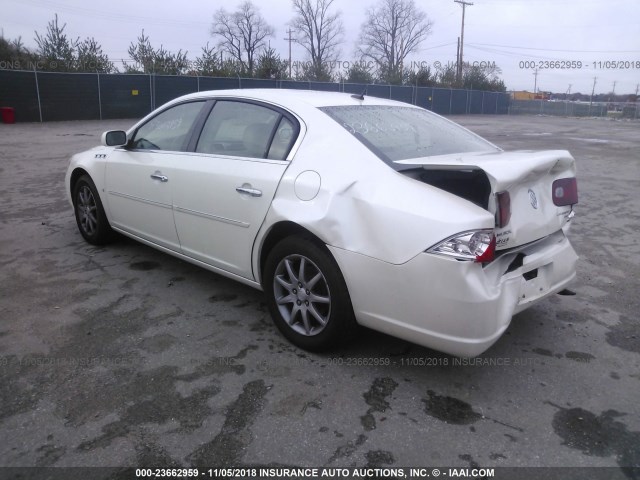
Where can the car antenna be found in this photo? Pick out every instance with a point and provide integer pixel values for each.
(361, 96)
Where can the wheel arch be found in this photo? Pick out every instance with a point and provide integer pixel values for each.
(94, 227)
(75, 175)
(278, 232)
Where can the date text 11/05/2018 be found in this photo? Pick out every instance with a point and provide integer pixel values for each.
(433, 361)
(578, 64)
(294, 472)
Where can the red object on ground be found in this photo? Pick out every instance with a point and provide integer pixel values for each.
(8, 115)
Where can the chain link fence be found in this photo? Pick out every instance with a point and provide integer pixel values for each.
(50, 96)
(545, 107)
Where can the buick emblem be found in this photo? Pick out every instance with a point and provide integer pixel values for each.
(533, 199)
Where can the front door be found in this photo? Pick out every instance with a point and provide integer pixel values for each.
(139, 179)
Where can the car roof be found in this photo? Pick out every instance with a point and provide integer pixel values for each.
(291, 97)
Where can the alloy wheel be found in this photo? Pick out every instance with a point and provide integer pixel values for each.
(302, 295)
(87, 210)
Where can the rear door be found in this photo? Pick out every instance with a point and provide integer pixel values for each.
(139, 178)
(224, 188)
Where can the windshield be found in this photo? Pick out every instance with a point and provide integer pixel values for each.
(400, 133)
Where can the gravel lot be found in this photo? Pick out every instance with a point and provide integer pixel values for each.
(124, 356)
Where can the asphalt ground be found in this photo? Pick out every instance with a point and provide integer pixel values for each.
(125, 356)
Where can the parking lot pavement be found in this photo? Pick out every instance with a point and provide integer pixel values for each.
(126, 356)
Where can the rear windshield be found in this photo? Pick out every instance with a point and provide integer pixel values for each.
(400, 133)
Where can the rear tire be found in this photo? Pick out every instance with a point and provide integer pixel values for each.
(90, 216)
(307, 295)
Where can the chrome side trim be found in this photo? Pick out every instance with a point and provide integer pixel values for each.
(237, 223)
(138, 199)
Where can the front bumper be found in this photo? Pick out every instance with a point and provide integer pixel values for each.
(457, 307)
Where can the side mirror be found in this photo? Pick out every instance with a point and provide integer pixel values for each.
(114, 138)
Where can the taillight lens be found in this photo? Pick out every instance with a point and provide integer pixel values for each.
(475, 245)
(565, 191)
(503, 209)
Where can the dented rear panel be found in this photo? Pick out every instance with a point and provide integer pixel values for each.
(528, 177)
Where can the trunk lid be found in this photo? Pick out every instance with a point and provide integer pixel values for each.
(528, 176)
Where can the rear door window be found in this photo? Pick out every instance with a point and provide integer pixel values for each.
(244, 130)
(282, 140)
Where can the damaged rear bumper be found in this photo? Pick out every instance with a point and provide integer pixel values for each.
(457, 307)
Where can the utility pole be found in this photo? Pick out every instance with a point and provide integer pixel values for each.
(535, 81)
(613, 92)
(464, 4)
(290, 39)
(592, 91)
(458, 59)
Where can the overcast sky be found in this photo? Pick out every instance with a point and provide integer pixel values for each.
(507, 32)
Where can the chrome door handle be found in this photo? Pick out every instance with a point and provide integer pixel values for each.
(159, 176)
(254, 192)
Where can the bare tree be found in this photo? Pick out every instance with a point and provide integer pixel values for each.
(242, 33)
(320, 32)
(393, 30)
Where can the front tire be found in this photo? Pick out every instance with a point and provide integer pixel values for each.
(90, 216)
(307, 295)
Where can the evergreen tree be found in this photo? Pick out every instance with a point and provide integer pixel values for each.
(359, 72)
(56, 50)
(150, 60)
(270, 65)
(90, 58)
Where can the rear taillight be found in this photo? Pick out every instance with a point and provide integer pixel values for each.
(477, 245)
(488, 251)
(565, 191)
(503, 209)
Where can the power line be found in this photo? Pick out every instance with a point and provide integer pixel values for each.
(104, 15)
(439, 46)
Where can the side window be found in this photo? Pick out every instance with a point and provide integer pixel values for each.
(282, 140)
(238, 129)
(168, 130)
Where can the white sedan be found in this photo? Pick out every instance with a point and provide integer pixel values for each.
(344, 209)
